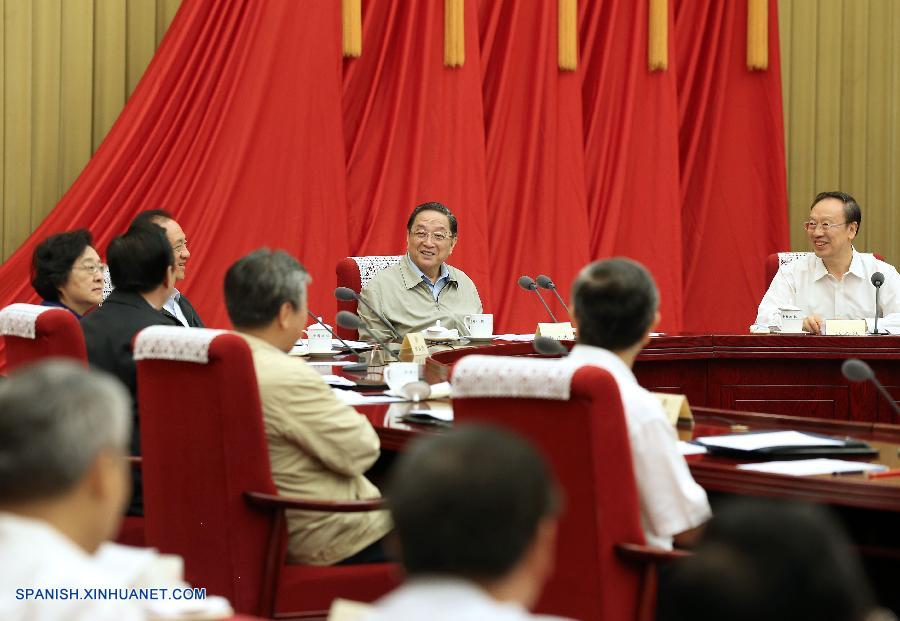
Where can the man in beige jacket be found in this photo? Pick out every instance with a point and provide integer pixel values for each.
(319, 447)
(421, 289)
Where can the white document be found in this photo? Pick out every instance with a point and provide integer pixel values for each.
(338, 380)
(354, 398)
(767, 439)
(809, 467)
(441, 390)
(689, 448)
(521, 338)
(329, 363)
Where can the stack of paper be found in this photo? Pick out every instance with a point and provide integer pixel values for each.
(810, 467)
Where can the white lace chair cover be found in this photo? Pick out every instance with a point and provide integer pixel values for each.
(370, 266)
(20, 319)
(508, 376)
(786, 257)
(175, 343)
(107, 284)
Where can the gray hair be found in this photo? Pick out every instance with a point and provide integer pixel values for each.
(257, 285)
(55, 418)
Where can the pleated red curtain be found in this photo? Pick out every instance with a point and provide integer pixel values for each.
(252, 130)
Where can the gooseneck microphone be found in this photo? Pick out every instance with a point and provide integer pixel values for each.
(527, 283)
(346, 294)
(856, 370)
(360, 366)
(544, 282)
(346, 319)
(877, 280)
(549, 347)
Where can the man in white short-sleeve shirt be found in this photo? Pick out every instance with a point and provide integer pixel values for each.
(615, 304)
(835, 281)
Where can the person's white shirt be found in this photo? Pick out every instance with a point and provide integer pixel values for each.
(441, 598)
(806, 284)
(671, 502)
(174, 308)
(37, 556)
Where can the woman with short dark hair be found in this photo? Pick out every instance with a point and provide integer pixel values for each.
(66, 272)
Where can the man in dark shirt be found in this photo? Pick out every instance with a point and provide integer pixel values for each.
(142, 268)
(177, 306)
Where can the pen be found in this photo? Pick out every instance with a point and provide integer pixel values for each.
(885, 474)
(847, 472)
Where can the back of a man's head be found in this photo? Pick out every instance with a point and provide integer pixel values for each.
(139, 260)
(615, 303)
(257, 286)
(762, 560)
(56, 418)
(469, 503)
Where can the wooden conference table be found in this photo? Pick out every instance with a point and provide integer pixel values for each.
(709, 367)
(797, 375)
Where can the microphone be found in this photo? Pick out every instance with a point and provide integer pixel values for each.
(346, 319)
(544, 282)
(856, 370)
(527, 283)
(362, 366)
(549, 347)
(877, 280)
(346, 294)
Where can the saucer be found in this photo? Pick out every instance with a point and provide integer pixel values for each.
(324, 354)
(481, 339)
(441, 339)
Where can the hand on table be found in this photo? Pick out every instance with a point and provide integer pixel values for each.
(813, 324)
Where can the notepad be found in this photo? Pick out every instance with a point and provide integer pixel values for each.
(810, 467)
(767, 440)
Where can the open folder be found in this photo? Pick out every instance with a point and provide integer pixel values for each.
(783, 444)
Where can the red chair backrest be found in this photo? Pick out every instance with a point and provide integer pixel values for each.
(56, 333)
(585, 440)
(204, 445)
(354, 272)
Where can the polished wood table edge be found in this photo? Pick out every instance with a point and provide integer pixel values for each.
(879, 431)
(860, 493)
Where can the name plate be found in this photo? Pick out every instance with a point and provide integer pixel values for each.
(562, 331)
(414, 348)
(845, 327)
(676, 407)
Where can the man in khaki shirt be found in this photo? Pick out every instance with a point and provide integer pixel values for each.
(319, 448)
(421, 288)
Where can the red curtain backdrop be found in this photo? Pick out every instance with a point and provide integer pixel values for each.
(631, 148)
(250, 128)
(733, 185)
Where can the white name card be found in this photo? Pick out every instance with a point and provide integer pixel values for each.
(414, 348)
(845, 327)
(562, 331)
(676, 407)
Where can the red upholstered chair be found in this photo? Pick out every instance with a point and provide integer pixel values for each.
(208, 490)
(776, 260)
(604, 572)
(355, 273)
(33, 332)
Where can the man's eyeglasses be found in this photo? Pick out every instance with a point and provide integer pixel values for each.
(91, 268)
(812, 225)
(438, 237)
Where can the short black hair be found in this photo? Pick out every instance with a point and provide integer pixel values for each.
(150, 216)
(469, 502)
(852, 212)
(139, 259)
(257, 285)
(778, 561)
(615, 302)
(438, 207)
(52, 261)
